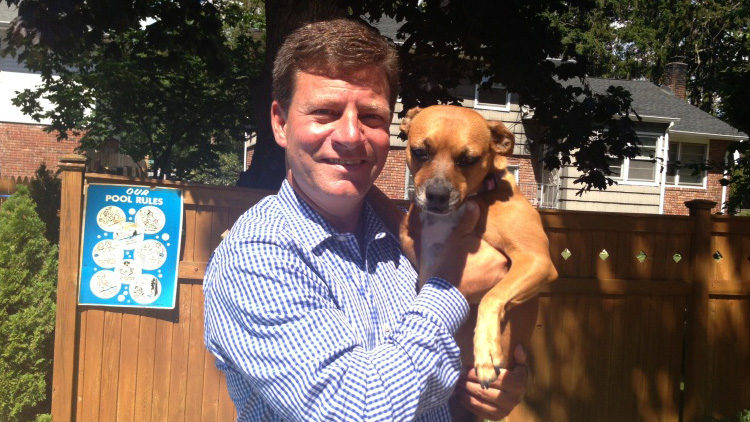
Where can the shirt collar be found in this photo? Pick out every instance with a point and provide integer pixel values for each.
(313, 229)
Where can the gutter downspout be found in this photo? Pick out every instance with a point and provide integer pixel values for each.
(665, 162)
(724, 189)
(244, 155)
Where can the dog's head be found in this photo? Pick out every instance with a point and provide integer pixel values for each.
(450, 152)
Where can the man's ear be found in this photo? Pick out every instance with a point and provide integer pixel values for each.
(502, 143)
(278, 123)
(406, 121)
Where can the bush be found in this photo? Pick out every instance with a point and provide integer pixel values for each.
(743, 416)
(28, 275)
(45, 191)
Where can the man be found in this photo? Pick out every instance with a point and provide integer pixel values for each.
(311, 309)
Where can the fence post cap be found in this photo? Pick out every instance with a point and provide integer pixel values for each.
(700, 204)
(75, 162)
(73, 158)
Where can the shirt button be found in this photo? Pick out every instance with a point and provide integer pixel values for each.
(341, 237)
(387, 330)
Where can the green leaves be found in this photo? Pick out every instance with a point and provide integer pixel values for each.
(28, 274)
(168, 80)
(449, 43)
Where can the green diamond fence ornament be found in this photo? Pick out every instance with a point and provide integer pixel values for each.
(677, 258)
(641, 256)
(718, 256)
(604, 254)
(566, 254)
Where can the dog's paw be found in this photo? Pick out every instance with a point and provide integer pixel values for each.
(488, 356)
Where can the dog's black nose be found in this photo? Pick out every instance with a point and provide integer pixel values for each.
(438, 196)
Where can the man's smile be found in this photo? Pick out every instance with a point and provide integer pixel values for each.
(343, 162)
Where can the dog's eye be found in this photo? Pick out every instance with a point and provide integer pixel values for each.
(420, 154)
(466, 160)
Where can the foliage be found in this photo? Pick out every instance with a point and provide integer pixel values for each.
(738, 177)
(225, 173)
(28, 273)
(627, 39)
(444, 43)
(743, 416)
(45, 190)
(170, 80)
(46, 417)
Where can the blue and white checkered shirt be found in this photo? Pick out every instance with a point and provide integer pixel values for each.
(309, 326)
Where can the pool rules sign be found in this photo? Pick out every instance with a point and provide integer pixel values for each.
(131, 246)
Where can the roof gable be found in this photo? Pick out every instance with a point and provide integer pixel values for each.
(653, 101)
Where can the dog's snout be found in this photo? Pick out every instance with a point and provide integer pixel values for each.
(438, 195)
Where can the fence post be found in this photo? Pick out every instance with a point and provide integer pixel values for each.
(696, 363)
(66, 343)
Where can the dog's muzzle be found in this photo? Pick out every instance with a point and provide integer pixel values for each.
(438, 196)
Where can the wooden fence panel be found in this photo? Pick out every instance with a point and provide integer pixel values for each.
(151, 365)
(608, 344)
(9, 186)
(729, 318)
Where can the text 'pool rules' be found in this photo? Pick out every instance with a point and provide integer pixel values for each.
(131, 246)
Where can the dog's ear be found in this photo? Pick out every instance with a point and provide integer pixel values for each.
(502, 144)
(406, 121)
(502, 139)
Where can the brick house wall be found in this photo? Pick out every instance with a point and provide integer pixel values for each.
(675, 198)
(392, 180)
(526, 173)
(24, 147)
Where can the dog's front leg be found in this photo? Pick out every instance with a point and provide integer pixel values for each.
(510, 302)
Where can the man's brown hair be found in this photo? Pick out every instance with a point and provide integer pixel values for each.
(334, 49)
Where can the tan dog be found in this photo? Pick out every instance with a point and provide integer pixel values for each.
(454, 153)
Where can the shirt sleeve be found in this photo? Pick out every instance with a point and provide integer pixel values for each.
(272, 319)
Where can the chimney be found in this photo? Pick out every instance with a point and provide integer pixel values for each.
(675, 77)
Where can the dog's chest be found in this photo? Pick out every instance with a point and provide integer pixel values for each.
(435, 232)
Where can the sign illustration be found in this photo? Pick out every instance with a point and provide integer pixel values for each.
(131, 246)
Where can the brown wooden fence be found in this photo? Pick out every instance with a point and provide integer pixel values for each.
(644, 305)
(8, 186)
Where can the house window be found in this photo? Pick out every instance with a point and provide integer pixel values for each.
(515, 171)
(641, 168)
(409, 191)
(495, 98)
(682, 156)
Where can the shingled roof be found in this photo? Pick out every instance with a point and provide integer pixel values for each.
(654, 101)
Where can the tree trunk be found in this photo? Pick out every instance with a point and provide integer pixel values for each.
(267, 168)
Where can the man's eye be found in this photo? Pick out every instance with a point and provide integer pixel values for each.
(467, 160)
(372, 120)
(420, 154)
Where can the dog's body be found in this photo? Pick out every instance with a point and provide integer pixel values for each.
(454, 153)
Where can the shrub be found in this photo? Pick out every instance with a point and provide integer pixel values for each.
(743, 416)
(28, 274)
(45, 191)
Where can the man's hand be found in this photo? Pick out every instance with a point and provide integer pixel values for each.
(467, 261)
(497, 401)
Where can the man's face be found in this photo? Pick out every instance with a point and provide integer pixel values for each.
(336, 136)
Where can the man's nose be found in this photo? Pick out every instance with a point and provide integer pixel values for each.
(348, 131)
